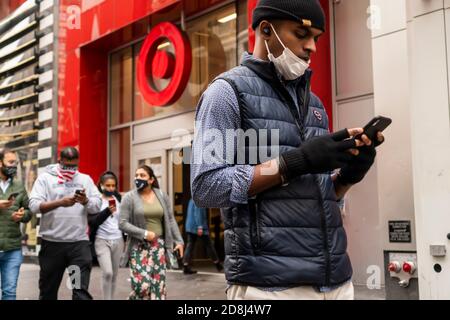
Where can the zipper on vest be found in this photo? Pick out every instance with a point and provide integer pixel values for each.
(255, 233)
(306, 99)
(304, 107)
(326, 249)
(258, 229)
(303, 113)
(286, 97)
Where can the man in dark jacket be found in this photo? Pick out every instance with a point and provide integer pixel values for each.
(13, 211)
(284, 236)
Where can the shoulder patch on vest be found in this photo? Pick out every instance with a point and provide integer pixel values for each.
(318, 115)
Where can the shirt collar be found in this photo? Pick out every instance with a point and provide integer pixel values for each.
(5, 182)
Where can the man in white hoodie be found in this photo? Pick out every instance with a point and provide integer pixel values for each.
(64, 197)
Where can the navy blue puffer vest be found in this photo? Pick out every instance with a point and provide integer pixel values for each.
(293, 235)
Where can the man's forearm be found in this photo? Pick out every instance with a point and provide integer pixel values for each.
(46, 207)
(266, 177)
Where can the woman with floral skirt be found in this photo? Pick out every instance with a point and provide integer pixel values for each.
(153, 236)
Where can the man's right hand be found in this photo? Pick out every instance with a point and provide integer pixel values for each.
(322, 154)
(67, 202)
(6, 204)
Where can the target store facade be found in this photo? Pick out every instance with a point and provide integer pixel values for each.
(121, 79)
(131, 74)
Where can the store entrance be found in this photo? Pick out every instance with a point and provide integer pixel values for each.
(173, 175)
(181, 193)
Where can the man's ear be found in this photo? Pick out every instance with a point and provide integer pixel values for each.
(265, 29)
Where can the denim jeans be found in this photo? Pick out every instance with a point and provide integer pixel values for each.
(10, 262)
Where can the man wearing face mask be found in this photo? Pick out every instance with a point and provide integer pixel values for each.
(13, 211)
(65, 197)
(284, 236)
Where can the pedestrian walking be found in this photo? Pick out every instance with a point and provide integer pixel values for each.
(64, 196)
(284, 236)
(197, 228)
(13, 211)
(153, 236)
(105, 234)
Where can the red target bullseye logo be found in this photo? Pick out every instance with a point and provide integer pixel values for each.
(154, 63)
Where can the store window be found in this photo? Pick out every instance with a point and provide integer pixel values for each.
(120, 151)
(213, 42)
(242, 28)
(213, 39)
(121, 87)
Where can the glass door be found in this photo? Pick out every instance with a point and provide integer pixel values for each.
(155, 160)
(180, 187)
(180, 191)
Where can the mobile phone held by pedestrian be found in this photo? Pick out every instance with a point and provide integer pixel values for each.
(377, 124)
(13, 196)
(111, 204)
(80, 192)
(80, 196)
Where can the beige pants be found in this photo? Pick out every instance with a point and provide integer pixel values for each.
(346, 292)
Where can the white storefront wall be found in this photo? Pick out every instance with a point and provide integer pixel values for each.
(398, 68)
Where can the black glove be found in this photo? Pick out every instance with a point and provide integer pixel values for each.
(357, 169)
(318, 155)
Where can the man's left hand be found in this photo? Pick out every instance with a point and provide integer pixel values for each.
(82, 198)
(363, 160)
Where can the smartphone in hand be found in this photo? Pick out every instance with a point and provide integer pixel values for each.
(112, 202)
(377, 124)
(13, 196)
(79, 192)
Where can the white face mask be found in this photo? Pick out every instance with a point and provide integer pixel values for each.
(288, 64)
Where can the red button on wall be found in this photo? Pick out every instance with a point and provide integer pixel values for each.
(409, 267)
(394, 267)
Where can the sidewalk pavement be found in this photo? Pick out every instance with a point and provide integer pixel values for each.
(209, 285)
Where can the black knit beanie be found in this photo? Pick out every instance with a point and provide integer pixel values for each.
(308, 12)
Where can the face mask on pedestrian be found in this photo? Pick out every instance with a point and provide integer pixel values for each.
(288, 64)
(9, 172)
(141, 184)
(108, 193)
(68, 168)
